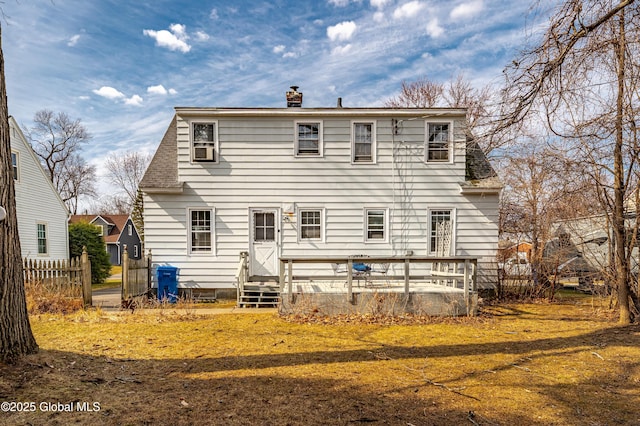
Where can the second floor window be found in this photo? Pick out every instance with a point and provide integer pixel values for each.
(14, 165)
(203, 140)
(363, 149)
(308, 139)
(438, 142)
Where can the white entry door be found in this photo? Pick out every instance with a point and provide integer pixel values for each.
(263, 250)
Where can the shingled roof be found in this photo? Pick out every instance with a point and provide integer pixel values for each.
(117, 222)
(162, 173)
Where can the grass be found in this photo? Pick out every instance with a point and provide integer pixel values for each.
(564, 363)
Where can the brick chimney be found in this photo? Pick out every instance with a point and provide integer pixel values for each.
(294, 98)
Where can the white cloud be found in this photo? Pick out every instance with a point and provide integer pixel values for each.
(176, 39)
(341, 50)
(279, 48)
(379, 16)
(73, 40)
(202, 36)
(157, 90)
(135, 100)
(173, 91)
(339, 3)
(342, 31)
(213, 14)
(379, 4)
(109, 93)
(434, 29)
(290, 55)
(466, 10)
(408, 10)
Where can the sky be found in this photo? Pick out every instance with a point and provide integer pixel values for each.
(122, 66)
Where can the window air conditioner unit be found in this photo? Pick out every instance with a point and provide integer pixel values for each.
(203, 153)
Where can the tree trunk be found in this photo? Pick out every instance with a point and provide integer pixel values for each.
(621, 258)
(16, 338)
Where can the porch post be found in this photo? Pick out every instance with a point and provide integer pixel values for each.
(350, 280)
(281, 273)
(290, 279)
(466, 283)
(406, 276)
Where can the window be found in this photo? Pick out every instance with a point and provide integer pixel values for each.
(308, 139)
(203, 137)
(136, 254)
(438, 142)
(264, 226)
(42, 238)
(440, 232)
(311, 224)
(130, 229)
(201, 231)
(376, 225)
(14, 166)
(363, 143)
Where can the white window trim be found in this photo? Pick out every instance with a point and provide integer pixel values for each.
(46, 239)
(135, 250)
(453, 229)
(212, 252)
(374, 144)
(130, 229)
(320, 139)
(366, 225)
(426, 141)
(17, 154)
(216, 142)
(323, 220)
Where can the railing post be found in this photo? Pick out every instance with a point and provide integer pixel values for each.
(86, 279)
(281, 275)
(124, 294)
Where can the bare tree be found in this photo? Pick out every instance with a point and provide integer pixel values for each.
(126, 171)
(57, 140)
(581, 78)
(457, 93)
(111, 204)
(76, 180)
(16, 338)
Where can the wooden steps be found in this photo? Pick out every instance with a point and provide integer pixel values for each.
(260, 295)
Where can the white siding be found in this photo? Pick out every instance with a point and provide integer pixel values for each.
(258, 168)
(37, 202)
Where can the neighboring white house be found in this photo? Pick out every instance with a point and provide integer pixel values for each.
(42, 215)
(315, 181)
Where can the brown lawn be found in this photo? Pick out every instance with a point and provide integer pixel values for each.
(566, 363)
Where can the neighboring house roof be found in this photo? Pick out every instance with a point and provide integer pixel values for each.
(117, 224)
(162, 174)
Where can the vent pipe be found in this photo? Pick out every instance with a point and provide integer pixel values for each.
(339, 105)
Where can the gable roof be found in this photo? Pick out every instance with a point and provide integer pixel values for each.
(13, 124)
(162, 173)
(118, 223)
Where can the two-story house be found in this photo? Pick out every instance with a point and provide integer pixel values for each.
(42, 215)
(118, 231)
(315, 181)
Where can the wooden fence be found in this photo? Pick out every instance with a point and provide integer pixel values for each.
(136, 276)
(71, 278)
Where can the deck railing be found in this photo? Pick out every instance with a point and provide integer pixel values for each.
(461, 268)
(242, 273)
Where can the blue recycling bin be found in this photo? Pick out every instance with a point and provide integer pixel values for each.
(167, 283)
